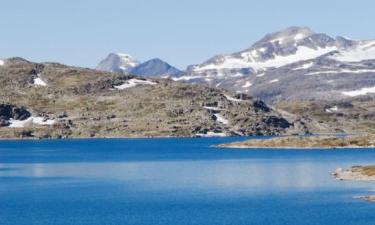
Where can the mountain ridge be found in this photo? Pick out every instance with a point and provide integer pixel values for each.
(273, 66)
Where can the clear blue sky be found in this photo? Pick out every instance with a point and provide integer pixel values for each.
(78, 32)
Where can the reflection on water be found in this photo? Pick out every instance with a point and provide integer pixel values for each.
(179, 181)
(201, 174)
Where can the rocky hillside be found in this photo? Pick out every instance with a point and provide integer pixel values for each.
(50, 100)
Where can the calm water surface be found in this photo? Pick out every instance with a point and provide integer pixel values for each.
(177, 182)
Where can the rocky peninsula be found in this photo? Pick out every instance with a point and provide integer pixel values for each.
(307, 142)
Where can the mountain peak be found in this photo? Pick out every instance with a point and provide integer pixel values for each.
(117, 62)
(287, 35)
(155, 67)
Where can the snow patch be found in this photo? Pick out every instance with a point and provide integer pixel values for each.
(232, 99)
(247, 84)
(31, 120)
(364, 51)
(212, 134)
(2, 62)
(132, 83)
(39, 82)
(42, 121)
(274, 81)
(333, 109)
(212, 108)
(221, 119)
(299, 36)
(304, 66)
(362, 91)
(19, 123)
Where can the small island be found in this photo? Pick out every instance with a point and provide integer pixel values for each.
(357, 173)
(307, 142)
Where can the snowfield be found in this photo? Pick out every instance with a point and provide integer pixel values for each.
(247, 61)
(2, 62)
(364, 51)
(132, 83)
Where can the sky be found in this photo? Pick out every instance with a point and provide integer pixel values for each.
(81, 33)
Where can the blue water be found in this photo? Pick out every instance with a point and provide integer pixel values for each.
(177, 182)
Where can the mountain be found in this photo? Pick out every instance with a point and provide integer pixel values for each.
(79, 102)
(155, 67)
(117, 62)
(293, 64)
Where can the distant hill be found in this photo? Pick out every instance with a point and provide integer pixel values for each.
(155, 68)
(51, 100)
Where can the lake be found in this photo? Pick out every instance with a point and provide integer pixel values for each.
(177, 182)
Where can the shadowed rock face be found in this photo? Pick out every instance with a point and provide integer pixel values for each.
(8, 112)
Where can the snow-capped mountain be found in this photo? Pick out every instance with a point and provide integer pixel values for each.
(117, 62)
(155, 67)
(293, 63)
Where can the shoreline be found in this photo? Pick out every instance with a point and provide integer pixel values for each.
(328, 142)
(224, 146)
(120, 137)
(357, 173)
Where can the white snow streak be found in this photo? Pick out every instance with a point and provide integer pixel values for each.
(31, 120)
(302, 53)
(232, 99)
(362, 91)
(212, 134)
(187, 78)
(132, 83)
(342, 71)
(212, 108)
(304, 66)
(274, 81)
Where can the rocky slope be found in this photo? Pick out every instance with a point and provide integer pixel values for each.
(293, 64)
(43, 100)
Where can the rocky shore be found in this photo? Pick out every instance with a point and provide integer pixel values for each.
(307, 142)
(357, 173)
